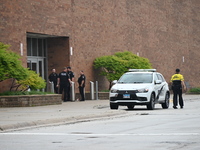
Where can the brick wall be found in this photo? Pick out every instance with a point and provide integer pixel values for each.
(58, 53)
(164, 31)
(30, 100)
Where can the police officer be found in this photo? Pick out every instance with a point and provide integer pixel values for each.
(177, 85)
(53, 77)
(71, 76)
(64, 82)
(81, 82)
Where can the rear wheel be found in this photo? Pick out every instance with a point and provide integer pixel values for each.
(130, 107)
(165, 105)
(113, 106)
(151, 104)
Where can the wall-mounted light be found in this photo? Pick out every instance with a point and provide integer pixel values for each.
(71, 51)
(21, 48)
(183, 59)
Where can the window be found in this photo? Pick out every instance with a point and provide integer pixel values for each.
(136, 78)
(36, 55)
(36, 47)
(160, 77)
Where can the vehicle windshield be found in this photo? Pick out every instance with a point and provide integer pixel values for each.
(136, 78)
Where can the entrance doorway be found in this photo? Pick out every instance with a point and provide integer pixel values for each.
(45, 52)
(36, 55)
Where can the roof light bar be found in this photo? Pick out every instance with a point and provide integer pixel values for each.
(142, 70)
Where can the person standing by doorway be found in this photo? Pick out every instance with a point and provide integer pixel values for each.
(53, 77)
(81, 82)
(71, 76)
(177, 85)
(64, 82)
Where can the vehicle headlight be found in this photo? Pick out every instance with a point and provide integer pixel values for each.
(113, 90)
(143, 90)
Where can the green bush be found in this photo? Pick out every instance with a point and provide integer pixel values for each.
(11, 66)
(195, 90)
(34, 82)
(114, 66)
(105, 91)
(10, 93)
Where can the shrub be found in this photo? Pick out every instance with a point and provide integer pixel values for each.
(10, 93)
(195, 90)
(114, 66)
(11, 66)
(34, 82)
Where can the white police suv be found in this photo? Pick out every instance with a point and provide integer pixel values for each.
(140, 87)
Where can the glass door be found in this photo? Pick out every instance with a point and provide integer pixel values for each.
(37, 65)
(36, 55)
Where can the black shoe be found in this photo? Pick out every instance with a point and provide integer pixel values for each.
(175, 107)
(181, 107)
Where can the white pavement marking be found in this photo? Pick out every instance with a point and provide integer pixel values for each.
(89, 134)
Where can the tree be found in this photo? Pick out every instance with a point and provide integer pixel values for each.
(114, 66)
(11, 66)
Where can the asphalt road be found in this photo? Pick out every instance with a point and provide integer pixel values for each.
(138, 129)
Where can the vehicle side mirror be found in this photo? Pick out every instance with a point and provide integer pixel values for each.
(114, 82)
(158, 82)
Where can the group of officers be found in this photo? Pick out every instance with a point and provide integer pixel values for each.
(62, 82)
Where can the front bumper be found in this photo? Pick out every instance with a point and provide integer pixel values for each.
(134, 98)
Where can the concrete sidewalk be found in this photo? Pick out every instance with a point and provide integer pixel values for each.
(69, 112)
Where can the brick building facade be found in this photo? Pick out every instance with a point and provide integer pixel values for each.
(75, 32)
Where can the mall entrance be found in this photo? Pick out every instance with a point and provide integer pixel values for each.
(45, 52)
(36, 55)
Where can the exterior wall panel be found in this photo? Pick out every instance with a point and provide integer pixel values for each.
(164, 31)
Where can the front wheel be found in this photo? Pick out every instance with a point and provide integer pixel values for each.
(113, 106)
(165, 105)
(151, 104)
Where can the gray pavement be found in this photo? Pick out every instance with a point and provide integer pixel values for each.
(15, 118)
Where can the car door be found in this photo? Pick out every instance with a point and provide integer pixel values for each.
(162, 87)
(157, 86)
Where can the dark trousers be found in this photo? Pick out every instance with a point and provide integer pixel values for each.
(55, 87)
(81, 90)
(177, 91)
(65, 89)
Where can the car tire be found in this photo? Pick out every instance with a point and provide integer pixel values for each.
(151, 104)
(113, 106)
(130, 107)
(165, 105)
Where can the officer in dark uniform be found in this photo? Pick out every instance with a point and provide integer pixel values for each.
(81, 82)
(64, 82)
(71, 76)
(53, 77)
(177, 85)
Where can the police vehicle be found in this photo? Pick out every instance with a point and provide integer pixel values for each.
(140, 87)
